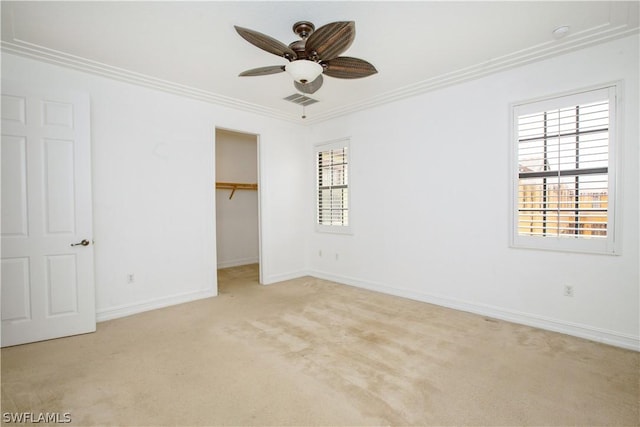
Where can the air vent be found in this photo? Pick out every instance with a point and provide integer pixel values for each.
(299, 99)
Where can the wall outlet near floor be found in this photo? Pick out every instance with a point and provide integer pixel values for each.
(568, 290)
(131, 278)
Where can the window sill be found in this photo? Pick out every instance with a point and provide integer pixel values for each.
(333, 229)
(603, 246)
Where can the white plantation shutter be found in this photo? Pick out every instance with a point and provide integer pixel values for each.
(563, 182)
(332, 186)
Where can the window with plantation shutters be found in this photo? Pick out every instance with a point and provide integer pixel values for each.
(332, 186)
(564, 186)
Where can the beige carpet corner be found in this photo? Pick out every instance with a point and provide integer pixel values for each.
(312, 352)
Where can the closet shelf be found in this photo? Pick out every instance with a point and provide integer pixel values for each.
(233, 186)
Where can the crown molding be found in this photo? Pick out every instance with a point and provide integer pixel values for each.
(52, 56)
(591, 37)
(594, 36)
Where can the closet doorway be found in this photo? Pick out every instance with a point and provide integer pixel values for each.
(237, 203)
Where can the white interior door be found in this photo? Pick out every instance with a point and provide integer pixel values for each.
(47, 281)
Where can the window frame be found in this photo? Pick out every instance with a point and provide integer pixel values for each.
(608, 245)
(325, 146)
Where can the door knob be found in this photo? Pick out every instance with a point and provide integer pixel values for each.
(85, 242)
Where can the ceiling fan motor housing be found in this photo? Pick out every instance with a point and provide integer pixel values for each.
(303, 29)
(298, 47)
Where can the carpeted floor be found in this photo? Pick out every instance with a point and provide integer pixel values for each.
(312, 352)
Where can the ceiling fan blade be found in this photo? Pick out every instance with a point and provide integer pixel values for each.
(311, 87)
(267, 43)
(262, 71)
(345, 67)
(330, 40)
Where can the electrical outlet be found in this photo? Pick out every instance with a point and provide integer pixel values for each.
(131, 278)
(568, 290)
(320, 253)
(337, 257)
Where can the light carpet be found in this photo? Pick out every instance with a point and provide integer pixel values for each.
(313, 352)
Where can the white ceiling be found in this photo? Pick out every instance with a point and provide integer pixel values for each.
(191, 48)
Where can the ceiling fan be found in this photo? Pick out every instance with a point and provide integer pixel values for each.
(317, 53)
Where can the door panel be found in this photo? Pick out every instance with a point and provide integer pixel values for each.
(62, 284)
(59, 188)
(15, 290)
(14, 109)
(14, 196)
(47, 284)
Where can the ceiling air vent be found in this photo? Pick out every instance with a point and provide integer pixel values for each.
(300, 99)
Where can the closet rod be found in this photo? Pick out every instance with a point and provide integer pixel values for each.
(233, 186)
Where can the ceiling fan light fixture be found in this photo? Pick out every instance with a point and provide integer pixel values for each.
(303, 70)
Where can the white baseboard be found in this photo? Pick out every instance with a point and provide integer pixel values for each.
(582, 331)
(135, 308)
(237, 262)
(269, 280)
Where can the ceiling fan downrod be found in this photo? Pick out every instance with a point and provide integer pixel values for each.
(303, 29)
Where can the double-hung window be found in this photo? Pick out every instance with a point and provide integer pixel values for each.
(564, 172)
(332, 187)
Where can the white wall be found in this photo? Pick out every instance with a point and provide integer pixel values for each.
(153, 192)
(236, 217)
(417, 164)
(430, 204)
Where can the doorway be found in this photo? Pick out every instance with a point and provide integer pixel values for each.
(237, 203)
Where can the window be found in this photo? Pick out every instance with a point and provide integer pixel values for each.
(564, 180)
(332, 185)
